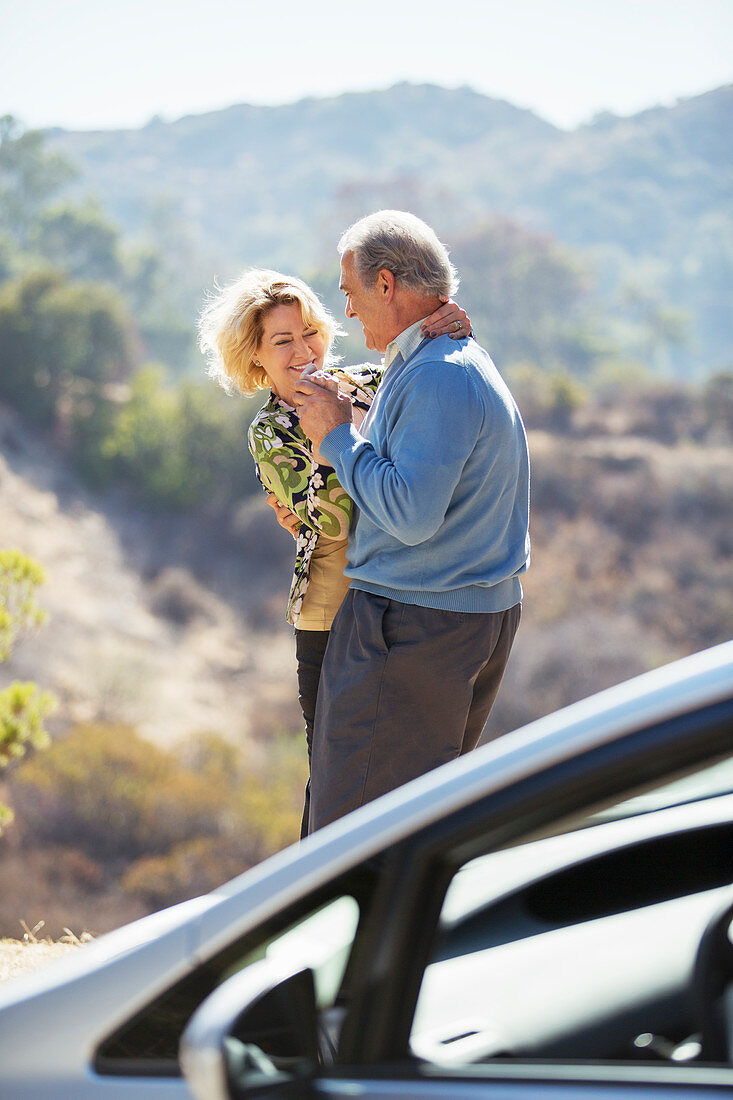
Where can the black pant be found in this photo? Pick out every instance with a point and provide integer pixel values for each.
(403, 690)
(310, 645)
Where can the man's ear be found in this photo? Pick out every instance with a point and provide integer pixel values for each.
(386, 285)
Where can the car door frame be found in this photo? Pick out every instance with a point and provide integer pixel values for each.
(392, 951)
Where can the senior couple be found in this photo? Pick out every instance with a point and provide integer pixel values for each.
(406, 485)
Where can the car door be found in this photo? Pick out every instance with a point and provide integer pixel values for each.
(445, 918)
(607, 869)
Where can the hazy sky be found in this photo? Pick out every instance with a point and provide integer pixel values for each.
(86, 64)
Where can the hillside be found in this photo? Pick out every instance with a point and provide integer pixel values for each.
(174, 627)
(646, 200)
(266, 182)
(132, 635)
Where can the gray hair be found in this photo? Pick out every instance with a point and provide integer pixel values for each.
(404, 245)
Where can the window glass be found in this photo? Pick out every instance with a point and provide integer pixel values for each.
(321, 940)
(318, 932)
(583, 946)
(707, 782)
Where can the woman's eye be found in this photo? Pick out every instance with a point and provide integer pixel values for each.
(313, 332)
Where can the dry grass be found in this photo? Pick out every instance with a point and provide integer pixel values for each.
(20, 956)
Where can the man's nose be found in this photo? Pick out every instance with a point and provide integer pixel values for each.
(349, 311)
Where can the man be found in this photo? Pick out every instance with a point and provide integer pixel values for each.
(439, 474)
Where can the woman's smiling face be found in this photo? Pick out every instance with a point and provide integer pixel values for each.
(287, 348)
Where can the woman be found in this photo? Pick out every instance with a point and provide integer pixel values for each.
(265, 331)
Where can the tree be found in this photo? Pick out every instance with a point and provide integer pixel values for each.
(59, 339)
(155, 274)
(527, 295)
(23, 706)
(657, 327)
(29, 176)
(80, 241)
(181, 446)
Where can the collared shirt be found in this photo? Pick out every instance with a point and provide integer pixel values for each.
(405, 344)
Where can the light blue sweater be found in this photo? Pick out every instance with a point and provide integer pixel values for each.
(440, 477)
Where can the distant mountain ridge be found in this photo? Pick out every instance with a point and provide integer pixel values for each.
(250, 174)
(276, 185)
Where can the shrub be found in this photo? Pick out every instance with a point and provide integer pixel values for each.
(20, 576)
(113, 795)
(547, 399)
(176, 595)
(56, 335)
(131, 821)
(270, 802)
(181, 446)
(187, 870)
(23, 706)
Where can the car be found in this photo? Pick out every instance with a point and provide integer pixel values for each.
(547, 916)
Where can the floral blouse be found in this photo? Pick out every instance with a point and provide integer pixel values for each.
(285, 467)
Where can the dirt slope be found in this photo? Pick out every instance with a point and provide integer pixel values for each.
(160, 651)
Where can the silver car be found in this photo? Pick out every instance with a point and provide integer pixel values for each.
(548, 916)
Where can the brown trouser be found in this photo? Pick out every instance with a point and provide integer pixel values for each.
(403, 689)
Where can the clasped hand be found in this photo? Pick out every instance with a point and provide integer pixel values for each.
(321, 407)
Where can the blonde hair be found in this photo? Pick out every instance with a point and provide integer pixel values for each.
(232, 323)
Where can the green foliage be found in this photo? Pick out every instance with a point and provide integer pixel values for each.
(180, 446)
(23, 707)
(20, 576)
(164, 280)
(64, 346)
(271, 802)
(527, 296)
(29, 177)
(59, 339)
(80, 241)
(113, 795)
(187, 869)
(718, 403)
(77, 239)
(615, 375)
(260, 804)
(166, 824)
(621, 195)
(546, 399)
(147, 444)
(92, 419)
(655, 327)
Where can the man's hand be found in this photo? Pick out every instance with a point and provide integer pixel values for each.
(285, 517)
(321, 407)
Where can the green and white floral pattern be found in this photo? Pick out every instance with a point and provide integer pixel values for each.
(285, 467)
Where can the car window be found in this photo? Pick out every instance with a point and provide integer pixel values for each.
(583, 946)
(321, 941)
(317, 932)
(708, 782)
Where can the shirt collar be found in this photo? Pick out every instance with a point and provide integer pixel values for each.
(405, 344)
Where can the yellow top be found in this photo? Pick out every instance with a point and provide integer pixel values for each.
(326, 585)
